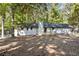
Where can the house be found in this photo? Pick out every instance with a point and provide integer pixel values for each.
(40, 28)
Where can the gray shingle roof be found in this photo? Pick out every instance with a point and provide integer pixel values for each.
(51, 25)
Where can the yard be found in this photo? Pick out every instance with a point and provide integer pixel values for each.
(45, 45)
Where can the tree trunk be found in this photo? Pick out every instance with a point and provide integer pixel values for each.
(45, 30)
(3, 17)
(12, 25)
(12, 9)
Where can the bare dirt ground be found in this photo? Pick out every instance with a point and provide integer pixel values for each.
(45, 45)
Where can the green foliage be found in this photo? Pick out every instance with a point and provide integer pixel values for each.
(55, 15)
(3, 8)
(22, 14)
(74, 18)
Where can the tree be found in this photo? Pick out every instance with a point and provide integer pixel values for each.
(54, 14)
(3, 10)
(74, 18)
(13, 11)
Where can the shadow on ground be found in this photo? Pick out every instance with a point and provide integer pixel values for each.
(46, 45)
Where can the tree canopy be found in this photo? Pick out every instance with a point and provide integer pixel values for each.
(19, 14)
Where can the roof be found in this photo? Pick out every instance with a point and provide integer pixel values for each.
(51, 25)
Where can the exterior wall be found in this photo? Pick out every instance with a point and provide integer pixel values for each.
(38, 31)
